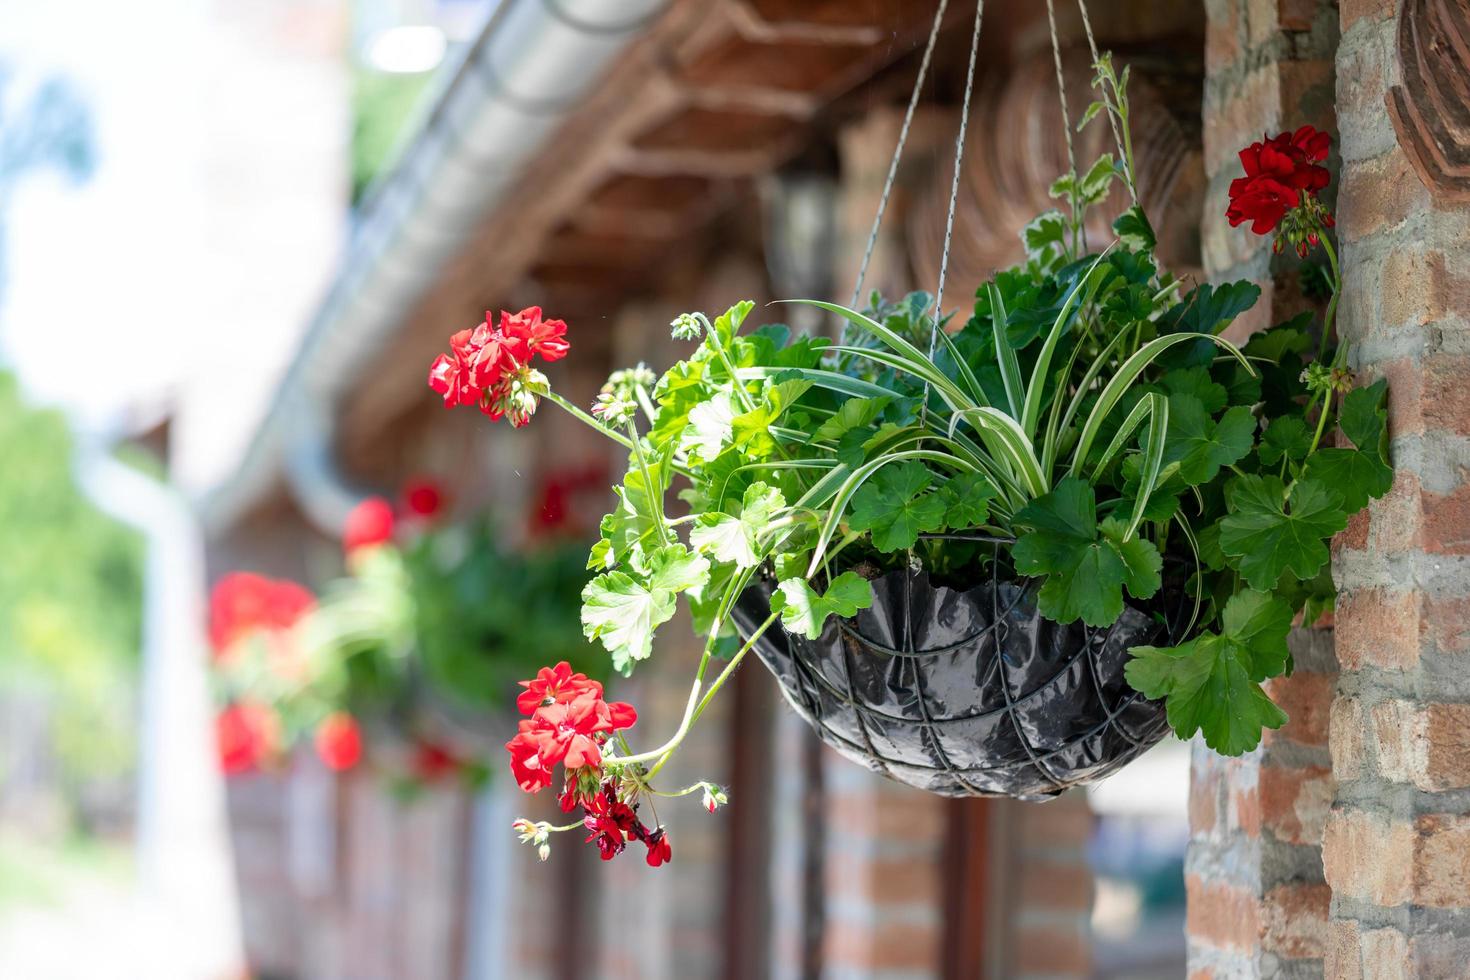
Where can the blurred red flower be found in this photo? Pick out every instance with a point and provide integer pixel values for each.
(247, 734)
(242, 602)
(423, 498)
(369, 523)
(338, 741)
(432, 761)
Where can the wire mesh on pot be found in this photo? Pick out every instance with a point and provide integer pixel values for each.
(968, 693)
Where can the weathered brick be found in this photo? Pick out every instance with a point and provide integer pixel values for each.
(1059, 822)
(896, 881)
(1222, 39)
(1353, 11)
(1221, 915)
(1368, 857)
(1446, 748)
(1347, 739)
(1052, 951)
(1446, 528)
(1378, 194)
(1398, 731)
(1295, 802)
(1245, 810)
(1239, 120)
(1385, 955)
(1261, 20)
(1442, 861)
(1297, 15)
(1064, 886)
(1377, 627)
(1294, 920)
(1204, 800)
(1445, 623)
(886, 944)
(1417, 287)
(1306, 697)
(1343, 957)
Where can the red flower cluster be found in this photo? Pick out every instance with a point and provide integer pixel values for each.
(613, 823)
(432, 761)
(1281, 172)
(247, 734)
(569, 723)
(242, 603)
(491, 366)
(338, 741)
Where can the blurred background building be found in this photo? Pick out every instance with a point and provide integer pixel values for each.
(253, 225)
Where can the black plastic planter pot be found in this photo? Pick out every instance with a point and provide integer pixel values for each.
(966, 693)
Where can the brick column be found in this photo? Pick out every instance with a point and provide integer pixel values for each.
(1397, 846)
(1257, 899)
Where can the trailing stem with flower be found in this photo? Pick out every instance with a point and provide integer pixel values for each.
(1085, 418)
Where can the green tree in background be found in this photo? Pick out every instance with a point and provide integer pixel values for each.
(71, 585)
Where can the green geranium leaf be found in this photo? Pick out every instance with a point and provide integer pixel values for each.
(895, 507)
(727, 324)
(736, 539)
(1210, 308)
(967, 500)
(711, 426)
(1364, 419)
(1133, 229)
(1196, 381)
(1275, 344)
(680, 389)
(1355, 474)
(622, 610)
(1200, 445)
(804, 612)
(855, 413)
(1266, 533)
(1046, 233)
(1212, 683)
(1287, 437)
(1086, 565)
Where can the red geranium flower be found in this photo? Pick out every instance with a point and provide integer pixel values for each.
(544, 337)
(338, 741)
(569, 723)
(423, 498)
(490, 366)
(247, 734)
(242, 602)
(1280, 172)
(369, 523)
(659, 851)
(553, 684)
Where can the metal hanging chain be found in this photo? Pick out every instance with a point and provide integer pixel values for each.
(903, 135)
(1056, 58)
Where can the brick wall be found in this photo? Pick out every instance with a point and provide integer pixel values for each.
(1397, 843)
(1258, 901)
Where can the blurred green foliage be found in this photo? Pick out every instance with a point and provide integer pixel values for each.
(71, 585)
(383, 107)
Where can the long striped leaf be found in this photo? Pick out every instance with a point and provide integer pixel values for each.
(1153, 458)
(1016, 447)
(1126, 376)
(1031, 414)
(1005, 355)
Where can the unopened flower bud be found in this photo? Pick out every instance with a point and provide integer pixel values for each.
(685, 326)
(613, 410)
(714, 797)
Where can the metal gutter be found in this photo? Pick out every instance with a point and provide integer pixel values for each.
(532, 64)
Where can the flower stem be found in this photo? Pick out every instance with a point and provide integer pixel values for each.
(655, 494)
(612, 434)
(696, 705)
(1331, 303)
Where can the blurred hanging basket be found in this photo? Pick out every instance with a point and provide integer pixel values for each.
(969, 693)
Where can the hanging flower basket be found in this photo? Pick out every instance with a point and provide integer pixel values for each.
(998, 555)
(967, 693)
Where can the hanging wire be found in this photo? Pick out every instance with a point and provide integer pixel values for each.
(1056, 58)
(954, 195)
(903, 135)
(1096, 57)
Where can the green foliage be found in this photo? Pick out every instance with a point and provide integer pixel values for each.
(71, 585)
(1087, 409)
